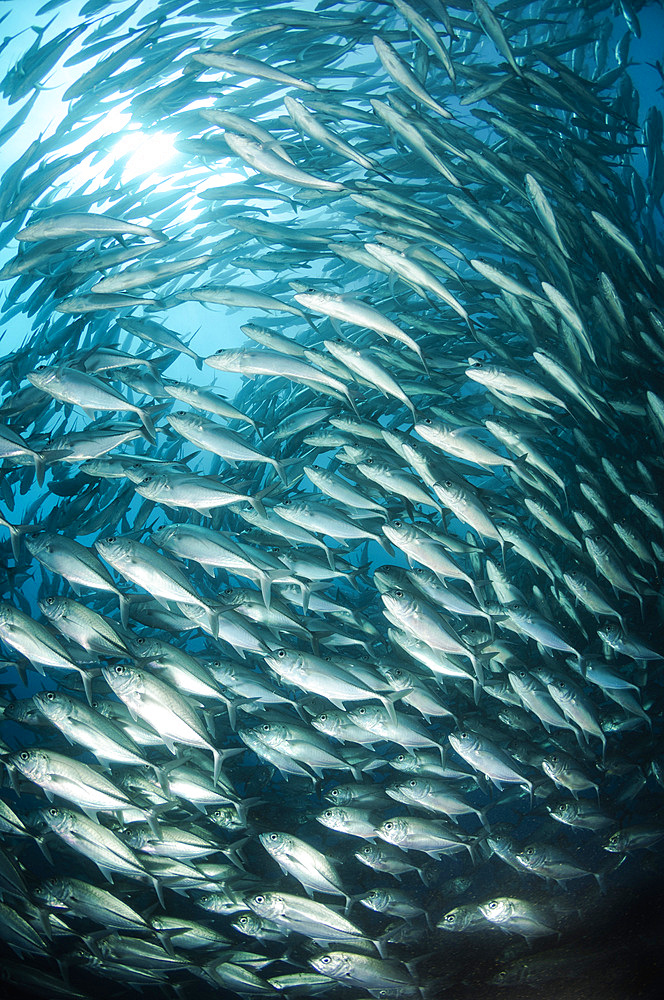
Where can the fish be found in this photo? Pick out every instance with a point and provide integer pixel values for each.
(295, 857)
(330, 511)
(85, 226)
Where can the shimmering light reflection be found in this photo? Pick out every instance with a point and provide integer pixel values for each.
(144, 153)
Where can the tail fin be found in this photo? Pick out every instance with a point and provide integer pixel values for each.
(146, 420)
(38, 459)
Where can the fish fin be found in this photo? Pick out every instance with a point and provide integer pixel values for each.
(87, 684)
(22, 672)
(148, 424)
(159, 890)
(216, 757)
(124, 609)
(389, 700)
(38, 459)
(106, 872)
(152, 823)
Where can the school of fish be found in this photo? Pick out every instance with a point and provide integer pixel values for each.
(330, 498)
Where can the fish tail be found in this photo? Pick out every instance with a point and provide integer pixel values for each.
(15, 532)
(40, 466)
(87, 683)
(266, 589)
(146, 420)
(477, 667)
(213, 621)
(279, 470)
(388, 701)
(124, 609)
(158, 889)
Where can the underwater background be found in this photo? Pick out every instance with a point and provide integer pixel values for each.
(331, 533)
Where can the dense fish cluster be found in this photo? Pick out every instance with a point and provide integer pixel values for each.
(332, 536)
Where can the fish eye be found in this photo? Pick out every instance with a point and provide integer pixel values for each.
(554, 759)
(181, 413)
(315, 466)
(369, 461)
(50, 696)
(110, 539)
(516, 606)
(259, 899)
(463, 736)
(397, 524)
(388, 826)
(286, 503)
(53, 812)
(148, 479)
(266, 727)
(448, 484)
(450, 918)
(119, 669)
(325, 960)
(413, 782)
(493, 904)
(24, 755)
(281, 653)
(522, 673)
(40, 368)
(140, 641)
(427, 421)
(323, 718)
(50, 600)
(361, 711)
(398, 593)
(529, 851)
(274, 836)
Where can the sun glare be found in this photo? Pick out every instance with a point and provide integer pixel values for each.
(149, 152)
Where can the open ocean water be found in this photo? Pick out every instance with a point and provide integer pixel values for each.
(331, 521)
